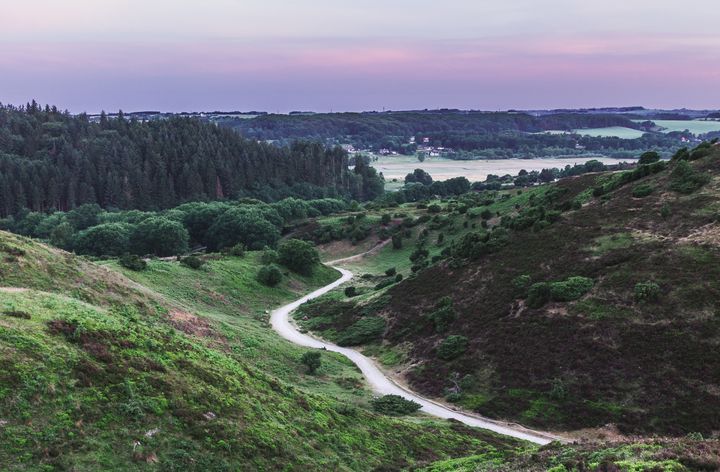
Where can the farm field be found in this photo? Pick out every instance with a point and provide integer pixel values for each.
(397, 167)
(611, 132)
(694, 126)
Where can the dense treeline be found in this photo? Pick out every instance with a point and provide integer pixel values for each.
(90, 230)
(51, 160)
(502, 134)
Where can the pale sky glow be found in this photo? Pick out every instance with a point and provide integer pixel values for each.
(281, 55)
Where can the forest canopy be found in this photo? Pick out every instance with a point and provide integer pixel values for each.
(51, 160)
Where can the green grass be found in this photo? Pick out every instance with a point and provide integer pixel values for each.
(611, 131)
(694, 126)
(611, 242)
(225, 291)
(118, 383)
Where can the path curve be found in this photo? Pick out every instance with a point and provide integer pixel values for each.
(281, 323)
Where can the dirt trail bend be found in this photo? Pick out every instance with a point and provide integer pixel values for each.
(381, 384)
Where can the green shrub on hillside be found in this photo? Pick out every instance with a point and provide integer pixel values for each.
(237, 250)
(362, 331)
(452, 347)
(685, 179)
(538, 295)
(391, 271)
(566, 290)
(350, 291)
(397, 241)
(269, 256)
(193, 262)
(647, 291)
(443, 315)
(132, 262)
(312, 360)
(269, 275)
(111, 239)
(642, 190)
(298, 256)
(394, 405)
(570, 289)
(521, 283)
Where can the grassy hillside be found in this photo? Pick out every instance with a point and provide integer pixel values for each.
(599, 306)
(98, 372)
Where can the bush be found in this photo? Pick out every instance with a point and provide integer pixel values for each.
(237, 250)
(312, 360)
(642, 190)
(110, 239)
(350, 291)
(434, 208)
(443, 315)
(269, 256)
(385, 219)
(684, 179)
(570, 289)
(648, 157)
(391, 271)
(397, 242)
(538, 295)
(521, 283)
(269, 275)
(384, 283)
(398, 278)
(132, 262)
(298, 256)
(394, 405)
(160, 236)
(362, 331)
(647, 291)
(452, 347)
(193, 262)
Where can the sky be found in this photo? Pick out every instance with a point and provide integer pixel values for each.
(343, 55)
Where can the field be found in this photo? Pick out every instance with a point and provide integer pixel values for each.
(694, 126)
(397, 167)
(611, 132)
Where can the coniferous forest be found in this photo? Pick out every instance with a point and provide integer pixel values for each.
(51, 160)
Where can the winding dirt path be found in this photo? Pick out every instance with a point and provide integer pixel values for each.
(380, 383)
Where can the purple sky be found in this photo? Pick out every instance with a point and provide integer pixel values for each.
(282, 55)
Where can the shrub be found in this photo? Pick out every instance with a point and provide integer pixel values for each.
(362, 331)
(385, 219)
(665, 211)
(384, 283)
(269, 256)
(397, 242)
(434, 208)
(391, 271)
(237, 250)
(110, 239)
(298, 256)
(684, 179)
(443, 315)
(193, 262)
(648, 157)
(160, 236)
(570, 289)
(394, 405)
(538, 295)
(642, 190)
(132, 262)
(521, 283)
(452, 347)
(269, 275)
(350, 291)
(398, 277)
(647, 291)
(312, 360)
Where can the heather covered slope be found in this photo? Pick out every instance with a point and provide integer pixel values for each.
(100, 373)
(609, 314)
